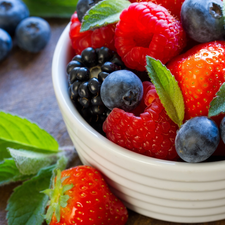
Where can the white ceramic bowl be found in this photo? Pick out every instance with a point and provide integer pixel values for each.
(170, 191)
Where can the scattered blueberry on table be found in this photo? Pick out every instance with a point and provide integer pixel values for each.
(11, 13)
(5, 44)
(33, 34)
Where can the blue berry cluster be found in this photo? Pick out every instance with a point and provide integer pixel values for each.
(198, 138)
(31, 33)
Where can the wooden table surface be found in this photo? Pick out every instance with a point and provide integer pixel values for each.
(26, 90)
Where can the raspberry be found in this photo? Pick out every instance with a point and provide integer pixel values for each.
(152, 133)
(174, 7)
(103, 36)
(148, 29)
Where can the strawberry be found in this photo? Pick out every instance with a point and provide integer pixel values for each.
(151, 132)
(81, 196)
(174, 7)
(103, 36)
(200, 73)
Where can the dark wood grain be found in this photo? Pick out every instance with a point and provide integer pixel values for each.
(26, 90)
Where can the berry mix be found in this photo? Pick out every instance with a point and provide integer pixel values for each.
(114, 85)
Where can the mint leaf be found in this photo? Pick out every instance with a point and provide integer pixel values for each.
(61, 164)
(51, 8)
(167, 88)
(27, 205)
(29, 162)
(20, 133)
(9, 172)
(103, 13)
(217, 105)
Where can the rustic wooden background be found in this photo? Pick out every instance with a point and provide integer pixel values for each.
(26, 90)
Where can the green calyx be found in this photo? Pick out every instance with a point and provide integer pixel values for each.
(57, 197)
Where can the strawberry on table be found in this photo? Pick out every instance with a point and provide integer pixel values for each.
(81, 196)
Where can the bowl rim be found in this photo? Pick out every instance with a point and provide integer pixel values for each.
(72, 114)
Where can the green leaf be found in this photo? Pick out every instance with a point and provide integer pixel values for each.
(103, 13)
(9, 172)
(167, 88)
(20, 133)
(27, 204)
(217, 105)
(51, 8)
(29, 162)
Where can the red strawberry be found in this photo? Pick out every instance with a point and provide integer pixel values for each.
(200, 73)
(103, 36)
(81, 196)
(174, 7)
(148, 29)
(150, 133)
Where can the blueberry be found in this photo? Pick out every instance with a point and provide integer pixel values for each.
(197, 139)
(33, 34)
(121, 89)
(11, 13)
(222, 129)
(83, 6)
(5, 44)
(203, 20)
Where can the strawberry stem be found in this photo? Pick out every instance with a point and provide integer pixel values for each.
(57, 197)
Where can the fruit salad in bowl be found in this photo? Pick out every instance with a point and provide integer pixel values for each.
(142, 97)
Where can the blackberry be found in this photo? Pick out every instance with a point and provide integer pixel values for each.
(86, 72)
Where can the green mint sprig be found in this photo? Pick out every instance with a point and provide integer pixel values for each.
(27, 204)
(20, 133)
(103, 13)
(10, 173)
(167, 89)
(29, 162)
(217, 105)
(30, 154)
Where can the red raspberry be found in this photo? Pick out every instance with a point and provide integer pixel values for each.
(152, 133)
(174, 7)
(148, 29)
(103, 36)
